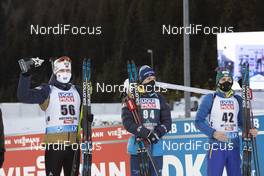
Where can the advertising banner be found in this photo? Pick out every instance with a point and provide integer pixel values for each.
(234, 49)
(185, 152)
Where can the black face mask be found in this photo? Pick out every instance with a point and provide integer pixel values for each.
(149, 87)
(226, 86)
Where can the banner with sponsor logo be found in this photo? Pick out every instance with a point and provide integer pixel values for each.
(185, 152)
(25, 155)
(234, 49)
(186, 149)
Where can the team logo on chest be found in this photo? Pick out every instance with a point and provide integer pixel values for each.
(149, 103)
(66, 97)
(227, 104)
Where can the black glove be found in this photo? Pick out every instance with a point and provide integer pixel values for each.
(142, 132)
(28, 65)
(240, 82)
(160, 130)
(90, 118)
(152, 138)
(2, 158)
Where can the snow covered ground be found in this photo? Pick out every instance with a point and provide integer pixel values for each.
(25, 118)
(29, 118)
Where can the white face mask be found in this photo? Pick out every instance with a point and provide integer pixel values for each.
(63, 77)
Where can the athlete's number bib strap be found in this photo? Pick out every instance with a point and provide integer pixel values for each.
(231, 135)
(61, 129)
(61, 138)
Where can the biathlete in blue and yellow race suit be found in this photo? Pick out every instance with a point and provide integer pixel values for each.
(220, 117)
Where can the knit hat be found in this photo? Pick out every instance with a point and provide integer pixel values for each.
(222, 73)
(61, 63)
(61, 68)
(144, 72)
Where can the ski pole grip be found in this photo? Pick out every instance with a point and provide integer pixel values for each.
(250, 94)
(131, 105)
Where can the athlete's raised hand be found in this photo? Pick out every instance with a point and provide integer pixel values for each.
(27, 65)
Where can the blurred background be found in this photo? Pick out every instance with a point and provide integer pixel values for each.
(129, 30)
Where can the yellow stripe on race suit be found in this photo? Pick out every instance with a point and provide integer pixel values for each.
(211, 152)
(80, 125)
(81, 116)
(228, 94)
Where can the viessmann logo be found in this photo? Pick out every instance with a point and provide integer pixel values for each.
(119, 133)
(26, 140)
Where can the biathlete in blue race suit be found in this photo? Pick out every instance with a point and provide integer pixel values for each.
(156, 119)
